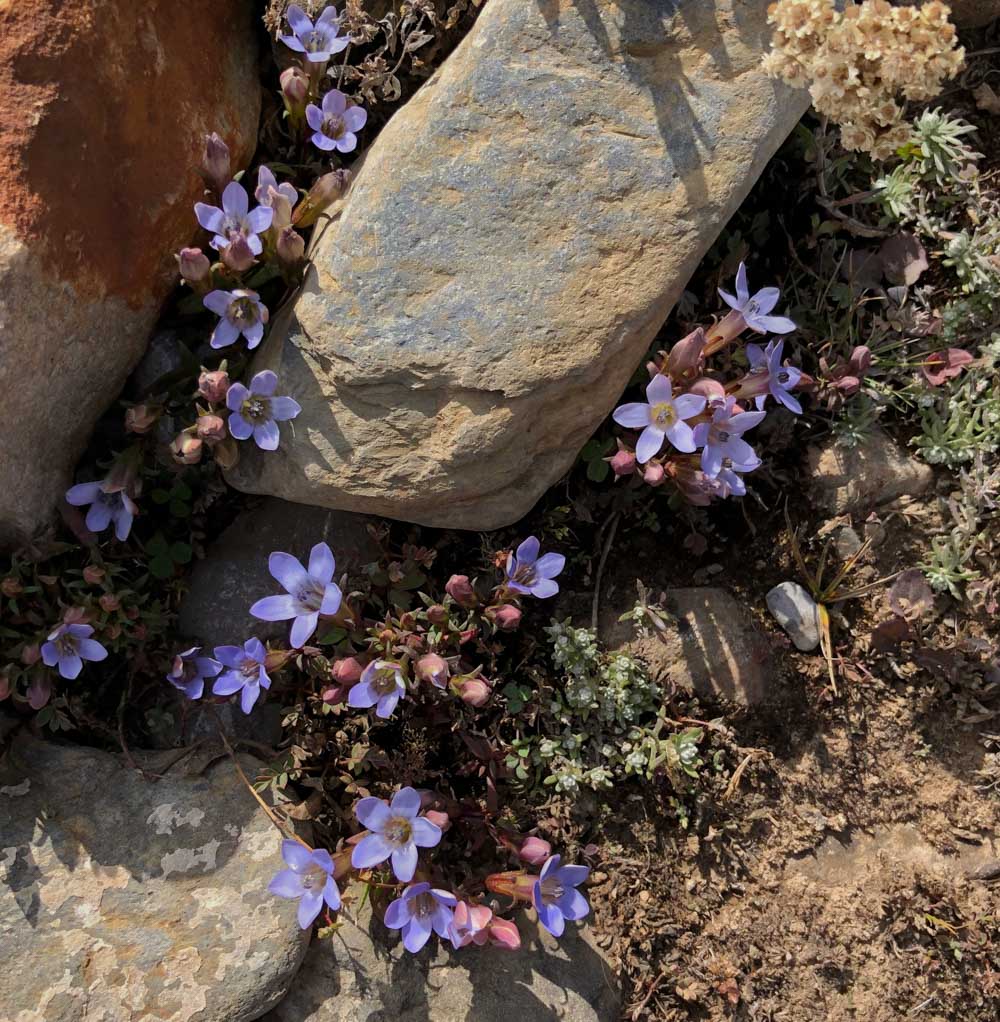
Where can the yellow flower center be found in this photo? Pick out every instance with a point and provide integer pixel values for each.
(663, 416)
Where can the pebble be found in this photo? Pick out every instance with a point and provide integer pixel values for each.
(796, 611)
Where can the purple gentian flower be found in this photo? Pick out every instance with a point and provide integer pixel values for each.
(256, 412)
(660, 415)
(765, 365)
(318, 42)
(396, 831)
(189, 671)
(556, 897)
(728, 482)
(533, 575)
(310, 879)
(307, 593)
(234, 218)
(69, 646)
(422, 908)
(381, 685)
(246, 672)
(267, 182)
(723, 438)
(240, 312)
(756, 310)
(335, 124)
(105, 507)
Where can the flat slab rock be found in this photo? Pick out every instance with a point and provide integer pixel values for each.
(363, 974)
(714, 651)
(517, 235)
(878, 471)
(124, 900)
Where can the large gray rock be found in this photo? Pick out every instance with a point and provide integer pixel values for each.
(363, 974)
(711, 648)
(515, 239)
(124, 900)
(102, 111)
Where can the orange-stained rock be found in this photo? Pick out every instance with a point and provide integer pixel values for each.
(103, 105)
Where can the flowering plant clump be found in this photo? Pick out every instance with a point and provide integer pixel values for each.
(862, 62)
(691, 425)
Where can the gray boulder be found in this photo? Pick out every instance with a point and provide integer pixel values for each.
(519, 232)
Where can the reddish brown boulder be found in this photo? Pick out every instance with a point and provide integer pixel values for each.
(103, 106)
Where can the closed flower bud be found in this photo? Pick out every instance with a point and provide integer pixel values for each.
(10, 587)
(534, 851)
(507, 617)
(323, 193)
(109, 603)
(238, 255)
(334, 694)
(92, 574)
(686, 355)
(622, 462)
(141, 418)
(346, 671)
(195, 267)
(186, 449)
(459, 588)
(438, 818)
(211, 429)
(31, 654)
(215, 163)
(437, 615)
(473, 691)
(653, 474)
(505, 934)
(291, 246)
(433, 668)
(294, 87)
(214, 386)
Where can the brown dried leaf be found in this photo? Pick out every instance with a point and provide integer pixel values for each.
(903, 259)
(910, 596)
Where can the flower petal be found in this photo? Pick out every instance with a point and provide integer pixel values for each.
(742, 285)
(681, 436)
(552, 919)
(331, 894)
(425, 833)
(249, 696)
(659, 390)
(404, 863)
(397, 914)
(263, 383)
(225, 333)
(228, 683)
(370, 851)
(209, 217)
(711, 460)
(284, 408)
(416, 934)
(406, 802)
(527, 552)
(70, 666)
(544, 588)
(687, 406)
(549, 565)
(302, 629)
(231, 656)
(288, 570)
(296, 855)
(332, 598)
(634, 415)
(355, 118)
(386, 704)
(334, 102)
(298, 20)
(286, 884)
(372, 813)
(259, 219)
(83, 493)
(218, 302)
(362, 696)
(745, 420)
(91, 649)
(266, 436)
(321, 563)
(766, 299)
(775, 324)
(650, 442)
(235, 200)
(275, 608)
(309, 908)
(239, 427)
(573, 905)
(98, 517)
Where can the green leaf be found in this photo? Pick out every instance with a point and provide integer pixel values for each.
(179, 509)
(332, 637)
(160, 496)
(157, 545)
(597, 471)
(180, 553)
(181, 490)
(161, 567)
(400, 598)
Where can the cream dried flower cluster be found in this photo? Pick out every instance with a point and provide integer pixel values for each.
(862, 64)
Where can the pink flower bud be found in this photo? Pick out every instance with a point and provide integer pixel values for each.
(294, 87)
(215, 163)
(346, 671)
(39, 691)
(437, 615)
(474, 691)
(141, 418)
(433, 668)
(507, 617)
(686, 355)
(211, 429)
(109, 603)
(622, 462)
(77, 616)
(194, 265)
(214, 386)
(861, 360)
(534, 850)
(92, 574)
(334, 694)
(505, 934)
(238, 255)
(653, 474)
(186, 449)
(459, 588)
(291, 246)
(31, 654)
(442, 820)
(711, 390)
